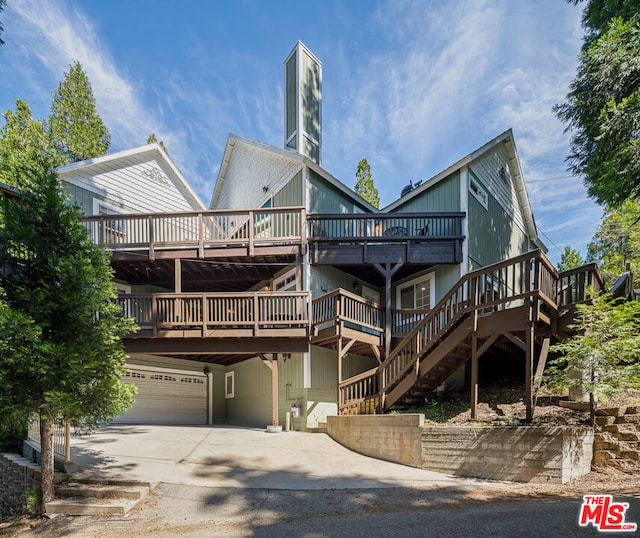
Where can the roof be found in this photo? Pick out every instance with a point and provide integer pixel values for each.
(12, 192)
(234, 139)
(153, 149)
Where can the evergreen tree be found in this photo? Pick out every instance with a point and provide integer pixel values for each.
(76, 128)
(602, 109)
(604, 356)
(22, 139)
(616, 242)
(570, 259)
(61, 354)
(153, 139)
(364, 186)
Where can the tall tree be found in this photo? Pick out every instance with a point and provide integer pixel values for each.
(76, 127)
(153, 139)
(597, 15)
(570, 259)
(616, 242)
(23, 139)
(57, 284)
(602, 109)
(604, 356)
(364, 186)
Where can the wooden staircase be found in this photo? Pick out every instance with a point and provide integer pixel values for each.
(513, 303)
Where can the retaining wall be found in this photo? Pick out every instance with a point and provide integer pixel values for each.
(552, 454)
(17, 476)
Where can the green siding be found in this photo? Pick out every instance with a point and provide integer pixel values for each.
(83, 198)
(493, 234)
(443, 196)
(325, 199)
(330, 278)
(251, 404)
(290, 194)
(291, 104)
(445, 277)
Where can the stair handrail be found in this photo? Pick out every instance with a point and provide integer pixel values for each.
(467, 302)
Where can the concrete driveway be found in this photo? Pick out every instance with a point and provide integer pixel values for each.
(239, 458)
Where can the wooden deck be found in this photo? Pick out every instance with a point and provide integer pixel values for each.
(515, 303)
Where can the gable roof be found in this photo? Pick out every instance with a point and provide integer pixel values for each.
(234, 140)
(153, 150)
(507, 139)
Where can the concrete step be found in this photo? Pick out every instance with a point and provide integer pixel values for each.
(90, 496)
(321, 428)
(101, 491)
(89, 506)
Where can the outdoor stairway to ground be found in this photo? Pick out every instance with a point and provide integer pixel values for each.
(84, 496)
(513, 307)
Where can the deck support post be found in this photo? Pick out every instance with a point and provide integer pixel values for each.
(177, 277)
(474, 373)
(529, 356)
(387, 271)
(272, 364)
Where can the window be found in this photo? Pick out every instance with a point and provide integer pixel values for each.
(285, 282)
(115, 229)
(229, 385)
(477, 191)
(417, 294)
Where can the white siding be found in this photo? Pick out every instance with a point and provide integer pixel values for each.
(140, 182)
(250, 170)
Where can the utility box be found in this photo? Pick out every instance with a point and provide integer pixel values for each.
(295, 410)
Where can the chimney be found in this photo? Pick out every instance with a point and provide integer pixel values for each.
(303, 102)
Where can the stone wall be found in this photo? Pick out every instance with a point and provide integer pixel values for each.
(17, 476)
(617, 441)
(551, 454)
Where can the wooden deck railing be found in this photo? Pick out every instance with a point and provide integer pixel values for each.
(358, 389)
(199, 229)
(576, 285)
(529, 277)
(219, 313)
(384, 227)
(341, 306)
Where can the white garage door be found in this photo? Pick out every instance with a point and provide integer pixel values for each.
(166, 397)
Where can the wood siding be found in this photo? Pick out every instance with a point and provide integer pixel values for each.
(290, 194)
(139, 182)
(250, 170)
(443, 196)
(325, 199)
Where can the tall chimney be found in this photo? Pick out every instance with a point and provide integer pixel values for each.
(303, 102)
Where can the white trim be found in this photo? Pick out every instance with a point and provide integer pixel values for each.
(210, 398)
(431, 277)
(163, 369)
(97, 204)
(464, 208)
(229, 393)
(306, 370)
(291, 285)
(478, 191)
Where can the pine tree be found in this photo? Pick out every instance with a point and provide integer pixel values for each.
(153, 139)
(61, 353)
(364, 186)
(76, 128)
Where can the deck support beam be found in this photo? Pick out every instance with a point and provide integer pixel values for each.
(529, 357)
(272, 364)
(387, 271)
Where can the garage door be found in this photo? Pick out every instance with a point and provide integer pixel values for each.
(166, 397)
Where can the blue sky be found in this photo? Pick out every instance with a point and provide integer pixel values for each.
(413, 86)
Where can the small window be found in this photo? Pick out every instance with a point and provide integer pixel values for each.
(285, 282)
(478, 192)
(229, 385)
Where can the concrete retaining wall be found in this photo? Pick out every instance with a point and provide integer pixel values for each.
(535, 454)
(17, 476)
(551, 454)
(396, 438)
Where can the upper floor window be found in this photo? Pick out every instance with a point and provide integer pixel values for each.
(417, 294)
(477, 191)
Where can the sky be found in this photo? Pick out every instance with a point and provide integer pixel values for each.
(412, 86)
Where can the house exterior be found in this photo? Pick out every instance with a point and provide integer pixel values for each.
(291, 294)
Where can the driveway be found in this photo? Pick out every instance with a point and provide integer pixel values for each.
(240, 458)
